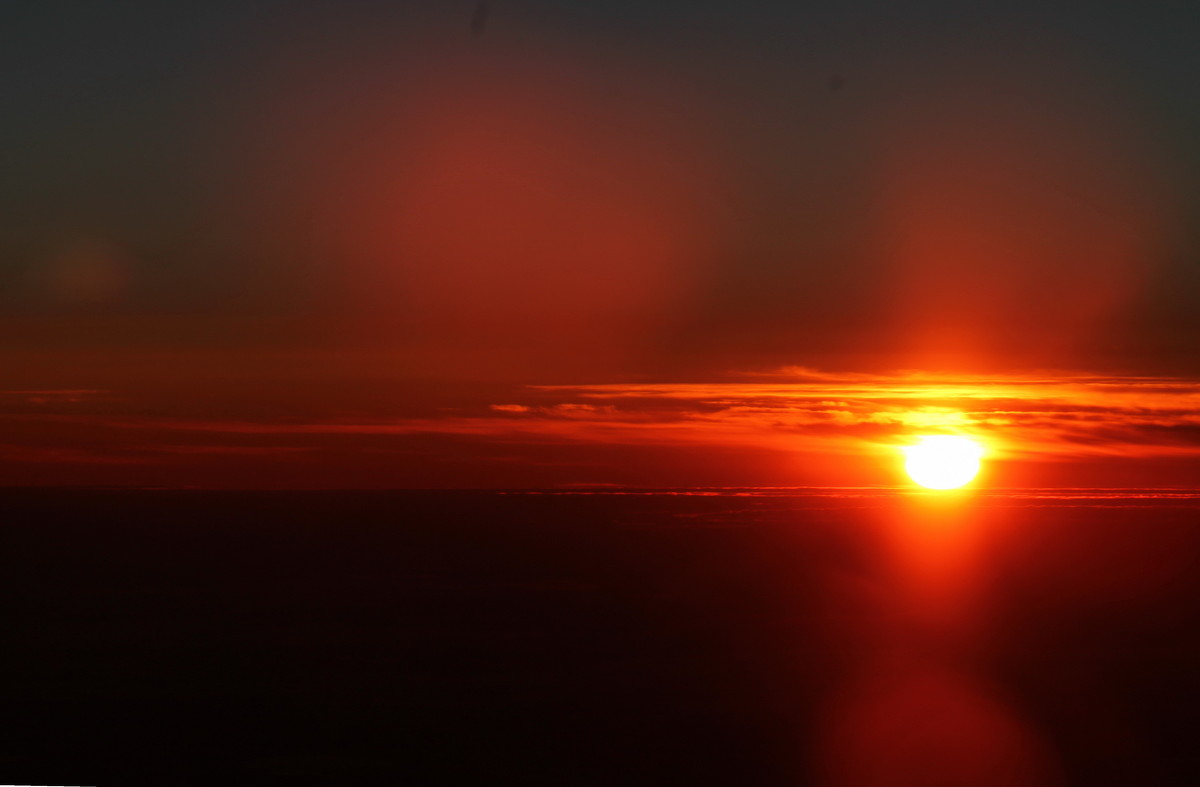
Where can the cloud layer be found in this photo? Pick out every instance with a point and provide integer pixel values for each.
(791, 425)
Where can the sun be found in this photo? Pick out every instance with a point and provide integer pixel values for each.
(943, 461)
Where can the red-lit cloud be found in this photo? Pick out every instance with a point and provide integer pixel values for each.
(793, 425)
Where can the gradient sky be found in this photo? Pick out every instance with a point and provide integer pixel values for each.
(534, 243)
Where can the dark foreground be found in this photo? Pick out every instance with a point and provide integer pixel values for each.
(434, 638)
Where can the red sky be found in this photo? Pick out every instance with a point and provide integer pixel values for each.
(370, 248)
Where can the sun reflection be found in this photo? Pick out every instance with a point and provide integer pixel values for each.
(919, 704)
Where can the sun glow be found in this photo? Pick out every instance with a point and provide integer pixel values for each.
(943, 461)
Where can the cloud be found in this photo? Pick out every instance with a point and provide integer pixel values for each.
(55, 396)
(1047, 415)
(806, 419)
(1042, 414)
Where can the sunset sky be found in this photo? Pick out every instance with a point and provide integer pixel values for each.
(655, 243)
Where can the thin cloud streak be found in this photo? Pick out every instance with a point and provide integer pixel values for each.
(822, 424)
(1066, 415)
(1063, 416)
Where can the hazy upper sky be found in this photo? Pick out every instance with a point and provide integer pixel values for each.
(301, 209)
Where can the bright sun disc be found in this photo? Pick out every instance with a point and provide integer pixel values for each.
(943, 461)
